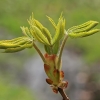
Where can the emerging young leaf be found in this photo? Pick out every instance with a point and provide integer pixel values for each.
(39, 32)
(40, 36)
(47, 34)
(16, 44)
(44, 30)
(36, 36)
(26, 32)
(59, 30)
(52, 22)
(83, 30)
(17, 49)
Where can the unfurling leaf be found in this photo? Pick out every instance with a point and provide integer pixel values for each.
(38, 24)
(15, 45)
(52, 22)
(36, 36)
(84, 34)
(83, 30)
(17, 49)
(26, 32)
(39, 32)
(59, 30)
(44, 30)
(40, 36)
(47, 34)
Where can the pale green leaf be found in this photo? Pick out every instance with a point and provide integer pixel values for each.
(17, 49)
(83, 30)
(40, 36)
(15, 44)
(47, 34)
(36, 36)
(59, 30)
(26, 32)
(52, 21)
(38, 24)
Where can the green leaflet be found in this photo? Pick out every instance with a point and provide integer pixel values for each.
(39, 32)
(7, 45)
(52, 22)
(21, 40)
(12, 40)
(17, 49)
(89, 26)
(91, 32)
(31, 20)
(44, 30)
(36, 36)
(59, 30)
(16, 44)
(26, 32)
(83, 30)
(84, 34)
(47, 34)
(13, 43)
(38, 24)
(12, 50)
(40, 36)
(80, 26)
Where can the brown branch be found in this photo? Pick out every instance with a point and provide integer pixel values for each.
(63, 94)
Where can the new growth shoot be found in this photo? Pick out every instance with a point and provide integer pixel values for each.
(53, 46)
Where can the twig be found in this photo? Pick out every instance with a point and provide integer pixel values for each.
(63, 94)
(61, 49)
(39, 52)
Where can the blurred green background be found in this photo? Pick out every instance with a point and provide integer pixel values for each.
(14, 13)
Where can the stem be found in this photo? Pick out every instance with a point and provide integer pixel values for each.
(63, 94)
(39, 52)
(51, 51)
(61, 50)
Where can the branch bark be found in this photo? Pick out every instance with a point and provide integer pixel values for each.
(63, 94)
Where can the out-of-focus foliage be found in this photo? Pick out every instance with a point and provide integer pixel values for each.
(9, 92)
